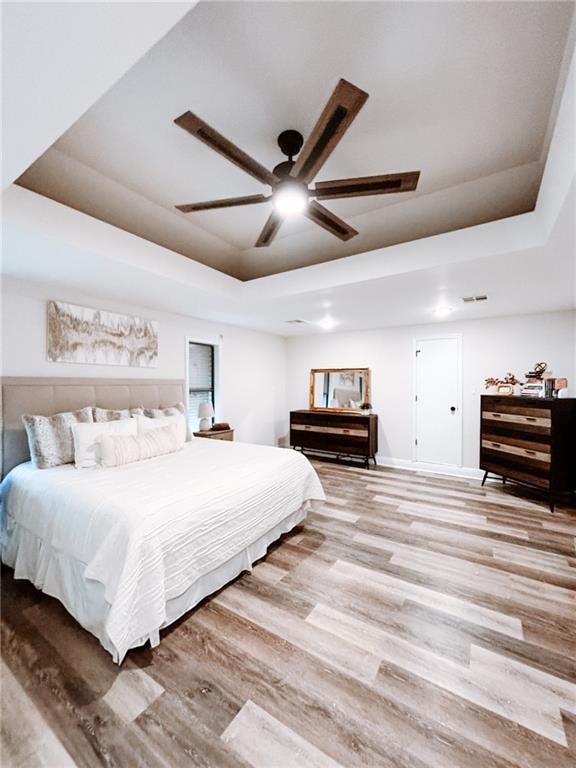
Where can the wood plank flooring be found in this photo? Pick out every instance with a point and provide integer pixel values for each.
(416, 621)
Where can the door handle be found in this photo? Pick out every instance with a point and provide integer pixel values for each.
(452, 408)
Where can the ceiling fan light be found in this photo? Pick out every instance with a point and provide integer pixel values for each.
(290, 199)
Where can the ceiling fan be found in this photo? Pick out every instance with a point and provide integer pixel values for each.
(289, 180)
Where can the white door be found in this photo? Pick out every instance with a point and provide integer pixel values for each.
(438, 415)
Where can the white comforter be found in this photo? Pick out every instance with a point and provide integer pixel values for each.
(147, 531)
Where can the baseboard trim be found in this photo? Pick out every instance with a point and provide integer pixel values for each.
(472, 473)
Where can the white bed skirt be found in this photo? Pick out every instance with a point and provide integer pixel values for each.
(62, 577)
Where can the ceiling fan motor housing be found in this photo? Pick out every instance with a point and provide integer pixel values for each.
(290, 142)
(282, 170)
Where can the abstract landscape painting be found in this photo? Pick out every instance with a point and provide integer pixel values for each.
(83, 335)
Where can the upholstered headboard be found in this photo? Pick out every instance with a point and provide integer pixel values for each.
(46, 396)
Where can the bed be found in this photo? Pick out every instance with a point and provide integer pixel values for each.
(129, 550)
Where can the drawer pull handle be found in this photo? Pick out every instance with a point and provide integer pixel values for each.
(530, 418)
(497, 415)
(495, 445)
(530, 453)
(346, 431)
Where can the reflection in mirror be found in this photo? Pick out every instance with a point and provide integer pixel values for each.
(341, 389)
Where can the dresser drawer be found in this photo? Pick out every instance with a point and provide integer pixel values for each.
(534, 451)
(334, 443)
(515, 473)
(538, 418)
(333, 420)
(357, 431)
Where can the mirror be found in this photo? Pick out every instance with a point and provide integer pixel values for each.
(339, 389)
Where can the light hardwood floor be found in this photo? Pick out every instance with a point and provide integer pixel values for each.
(416, 621)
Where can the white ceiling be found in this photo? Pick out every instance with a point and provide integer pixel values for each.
(44, 241)
(463, 92)
(539, 279)
(59, 57)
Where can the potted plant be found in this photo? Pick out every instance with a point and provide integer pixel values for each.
(509, 385)
(491, 385)
(366, 409)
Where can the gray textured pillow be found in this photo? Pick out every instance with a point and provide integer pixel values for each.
(172, 410)
(50, 437)
(104, 414)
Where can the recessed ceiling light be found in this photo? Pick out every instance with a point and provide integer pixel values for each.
(327, 323)
(443, 309)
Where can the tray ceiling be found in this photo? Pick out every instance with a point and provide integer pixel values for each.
(464, 92)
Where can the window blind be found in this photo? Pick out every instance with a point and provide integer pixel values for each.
(200, 380)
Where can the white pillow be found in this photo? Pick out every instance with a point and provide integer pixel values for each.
(87, 451)
(146, 424)
(171, 410)
(120, 449)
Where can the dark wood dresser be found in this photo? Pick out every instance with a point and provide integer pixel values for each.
(342, 434)
(530, 440)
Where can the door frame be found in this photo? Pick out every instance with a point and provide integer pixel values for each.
(437, 337)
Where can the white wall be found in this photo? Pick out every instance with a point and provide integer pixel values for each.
(489, 348)
(252, 395)
(264, 376)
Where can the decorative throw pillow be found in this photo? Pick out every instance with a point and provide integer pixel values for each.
(50, 437)
(171, 410)
(87, 447)
(118, 449)
(104, 414)
(146, 424)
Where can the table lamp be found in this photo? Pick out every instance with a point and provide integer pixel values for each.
(205, 413)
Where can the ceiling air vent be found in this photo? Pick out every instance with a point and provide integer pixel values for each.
(295, 322)
(470, 299)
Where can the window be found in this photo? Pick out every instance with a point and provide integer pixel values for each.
(200, 380)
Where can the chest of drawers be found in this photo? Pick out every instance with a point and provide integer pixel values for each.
(530, 440)
(342, 434)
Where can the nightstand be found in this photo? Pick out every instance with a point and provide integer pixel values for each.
(220, 434)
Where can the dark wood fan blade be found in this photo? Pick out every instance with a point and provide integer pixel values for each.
(201, 130)
(227, 202)
(338, 114)
(367, 185)
(329, 221)
(269, 231)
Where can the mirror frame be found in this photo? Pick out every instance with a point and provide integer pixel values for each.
(314, 371)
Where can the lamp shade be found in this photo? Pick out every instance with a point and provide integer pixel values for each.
(205, 410)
